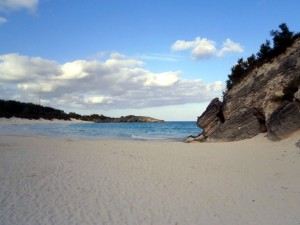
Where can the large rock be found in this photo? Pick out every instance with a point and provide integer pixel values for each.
(209, 121)
(297, 95)
(257, 98)
(242, 125)
(283, 121)
(212, 118)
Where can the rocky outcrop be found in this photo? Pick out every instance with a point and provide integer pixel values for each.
(212, 118)
(243, 124)
(266, 100)
(297, 94)
(284, 120)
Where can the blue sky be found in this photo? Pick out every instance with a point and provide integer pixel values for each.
(165, 59)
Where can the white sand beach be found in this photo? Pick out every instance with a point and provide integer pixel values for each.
(67, 181)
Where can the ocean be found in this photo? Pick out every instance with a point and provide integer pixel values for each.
(167, 131)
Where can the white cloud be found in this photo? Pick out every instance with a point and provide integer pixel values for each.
(161, 79)
(8, 5)
(74, 70)
(15, 67)
(230, 46)
(116, 83)
(158, 57)
(217, 86)
(97, 100)
(117, 55)
(122, 62)
(3, 20)
(37, 87)
(180, 45)
(203, 48)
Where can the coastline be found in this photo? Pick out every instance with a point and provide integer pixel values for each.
(46, 180)
(20, 121)
(168, 131)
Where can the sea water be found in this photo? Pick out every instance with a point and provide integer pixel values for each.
(168, 131)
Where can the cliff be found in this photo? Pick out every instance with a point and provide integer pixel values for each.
(267, 100)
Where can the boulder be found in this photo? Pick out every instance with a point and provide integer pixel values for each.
(284, 120)
(199, 138)
(242, 125)
(212, 117)
(297, 95)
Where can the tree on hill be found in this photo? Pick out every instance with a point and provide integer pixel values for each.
(264, 51)
(282, 39)
(12, 108)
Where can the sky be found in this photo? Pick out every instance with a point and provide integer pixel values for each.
(165, 59)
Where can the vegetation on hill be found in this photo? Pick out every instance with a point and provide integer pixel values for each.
(12, 108)
(282, 39)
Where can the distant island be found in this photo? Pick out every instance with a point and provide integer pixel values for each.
(123, 119)
(11, 108)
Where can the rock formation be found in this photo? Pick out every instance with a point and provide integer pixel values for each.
(285, 119)
(267, 99)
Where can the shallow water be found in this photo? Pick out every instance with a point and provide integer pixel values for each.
(169, 131)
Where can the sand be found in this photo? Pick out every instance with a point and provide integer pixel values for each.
(47, 180)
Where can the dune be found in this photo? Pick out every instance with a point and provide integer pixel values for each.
(47, 180)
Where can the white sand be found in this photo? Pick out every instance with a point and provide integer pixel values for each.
(63, 181)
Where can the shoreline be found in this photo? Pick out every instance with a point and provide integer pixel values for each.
(47, 180)
(21, 121)
(89, 130)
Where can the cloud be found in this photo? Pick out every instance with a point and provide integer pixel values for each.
(160, 80)
(16, 5)
(217, 86)
(118, 82)
(13, 5)
(203, 48)
(230, 46)
(117, 55)
(97, 100)
(184, 45)
(15, 67)
(74, 70)
(3, 20)
(158, 57)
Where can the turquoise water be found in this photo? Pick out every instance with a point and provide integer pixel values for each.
(169, 131)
